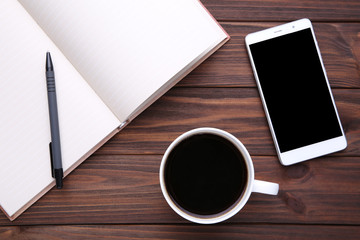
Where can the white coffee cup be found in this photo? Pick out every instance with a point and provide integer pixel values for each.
(252, 185)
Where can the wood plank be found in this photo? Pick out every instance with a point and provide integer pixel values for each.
(125, 189)
(236, 110)
(182, 232)
(116, 193)
(277, 10)
(339, 44)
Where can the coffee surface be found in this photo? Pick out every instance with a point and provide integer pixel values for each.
(205, 174)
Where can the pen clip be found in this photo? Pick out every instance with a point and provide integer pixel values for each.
(51, 160)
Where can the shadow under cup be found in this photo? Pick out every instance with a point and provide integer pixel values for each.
(205, 176)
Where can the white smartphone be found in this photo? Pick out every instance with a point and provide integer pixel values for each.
(295, 92)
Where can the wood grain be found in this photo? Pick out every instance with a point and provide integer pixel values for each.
(116, 194)
(236, 110)
(125, 189)
(223, 232)
(339, 44)
(280, 10)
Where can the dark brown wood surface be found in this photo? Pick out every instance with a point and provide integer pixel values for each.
(116, 193)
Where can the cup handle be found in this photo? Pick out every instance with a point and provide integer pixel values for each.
(265, 187)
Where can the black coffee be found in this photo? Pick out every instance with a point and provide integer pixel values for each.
(205, 174)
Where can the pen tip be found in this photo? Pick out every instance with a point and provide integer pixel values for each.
(58, 172)
(49, 64)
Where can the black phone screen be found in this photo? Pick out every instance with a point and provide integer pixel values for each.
(295, 90)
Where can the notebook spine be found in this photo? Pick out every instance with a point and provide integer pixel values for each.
(123, 124)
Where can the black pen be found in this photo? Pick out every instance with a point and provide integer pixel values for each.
(55, 149)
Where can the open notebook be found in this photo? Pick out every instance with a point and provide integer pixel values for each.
(112, 59)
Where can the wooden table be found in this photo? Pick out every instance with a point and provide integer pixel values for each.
(116, 192)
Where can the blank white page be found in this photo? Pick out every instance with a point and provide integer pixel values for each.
(24, 126)
(128, 49)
